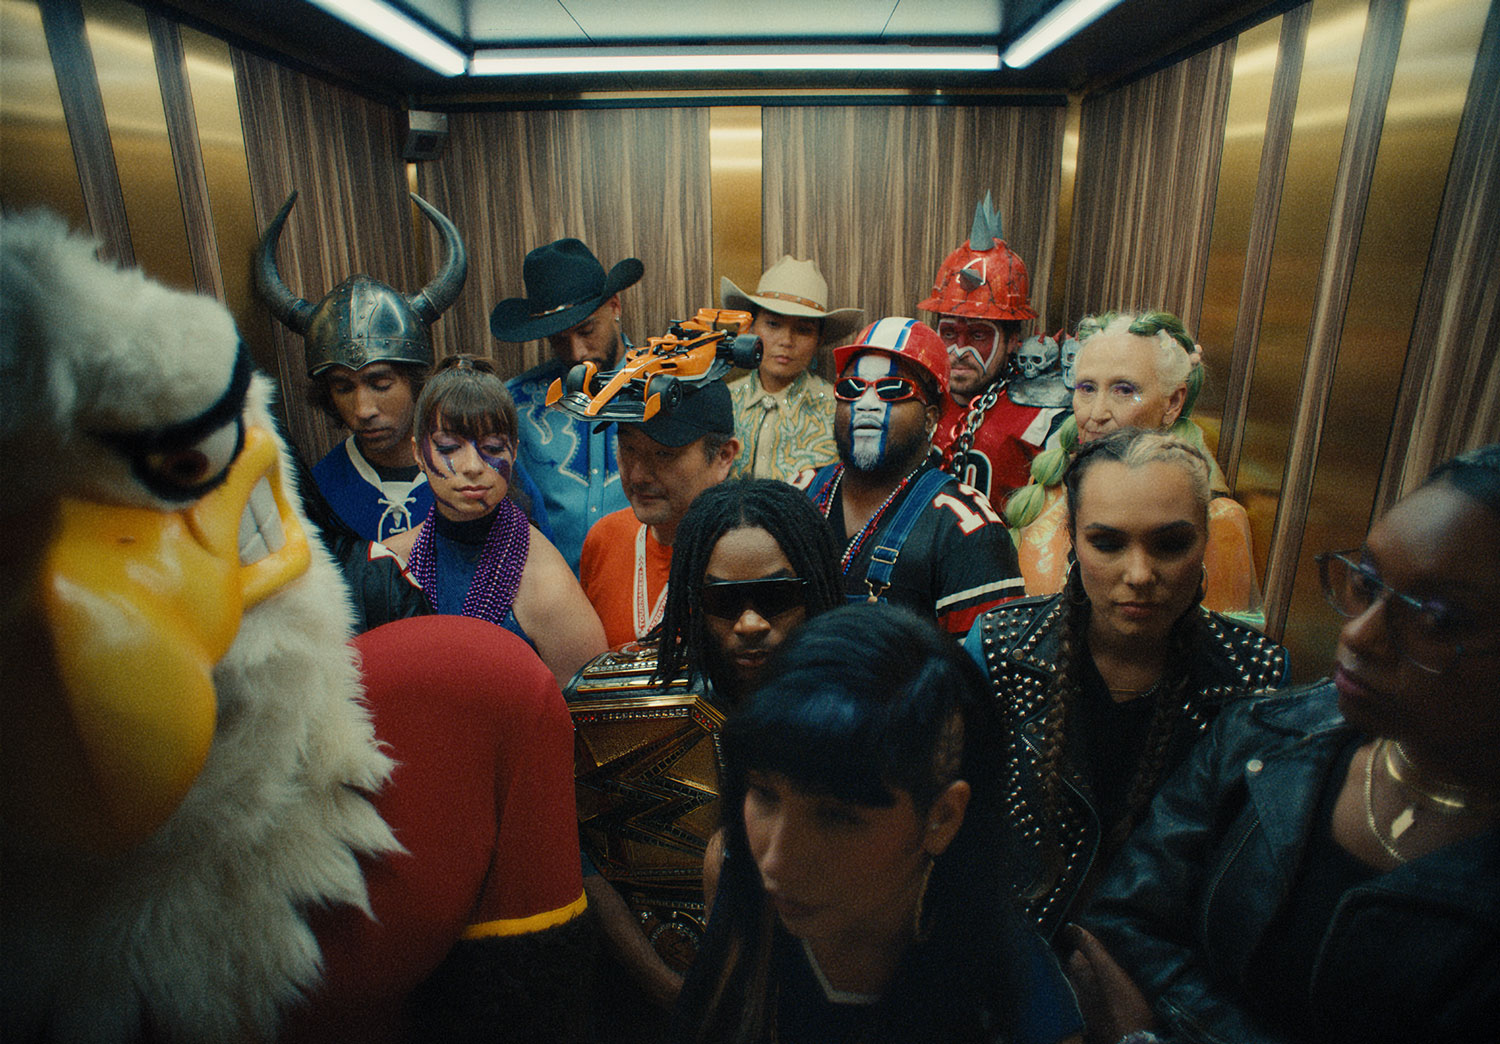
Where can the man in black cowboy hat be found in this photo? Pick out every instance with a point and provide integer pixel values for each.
(573, 303)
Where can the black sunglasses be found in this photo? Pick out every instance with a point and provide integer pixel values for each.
(887, 389)
(728, 599)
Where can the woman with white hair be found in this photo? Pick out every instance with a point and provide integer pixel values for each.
(1141, 371)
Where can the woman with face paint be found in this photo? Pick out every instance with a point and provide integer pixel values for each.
(476, 554)
(1133, 371)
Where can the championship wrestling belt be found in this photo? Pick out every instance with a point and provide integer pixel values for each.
(646, 769)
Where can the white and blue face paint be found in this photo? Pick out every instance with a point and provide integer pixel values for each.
(869, 415)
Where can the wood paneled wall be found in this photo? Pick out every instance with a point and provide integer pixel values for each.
(880, 195)
(628, 182)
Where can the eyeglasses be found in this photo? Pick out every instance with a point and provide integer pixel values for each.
(728, 599)
(1421, 632)
(887, 389)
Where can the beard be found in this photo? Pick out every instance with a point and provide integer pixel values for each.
(866, 456)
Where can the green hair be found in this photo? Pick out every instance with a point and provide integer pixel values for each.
(1174, 368)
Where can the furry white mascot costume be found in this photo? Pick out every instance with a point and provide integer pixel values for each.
(207, 833)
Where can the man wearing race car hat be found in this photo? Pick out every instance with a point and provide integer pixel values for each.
(665, 462)
(987, 437)
(911, 533)
(575, 305)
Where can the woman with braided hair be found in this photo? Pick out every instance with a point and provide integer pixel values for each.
(476, 554)
(1104, 687)
(1140, 371)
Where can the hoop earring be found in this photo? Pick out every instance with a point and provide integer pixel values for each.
(918, 934)
(1073, 583)
(1203, 585)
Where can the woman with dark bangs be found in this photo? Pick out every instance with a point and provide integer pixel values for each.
(860, 897)
(476, 554)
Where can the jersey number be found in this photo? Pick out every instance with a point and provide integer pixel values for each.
(969, 519)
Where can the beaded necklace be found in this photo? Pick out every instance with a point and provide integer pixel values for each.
(824, 503)
(497, 576)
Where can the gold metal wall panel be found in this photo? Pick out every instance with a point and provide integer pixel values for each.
(221, 141)
(128, 84)
(36, 155)
(1255, 64)
(734, 184)
(1062, 237)
(1432, 72)
(1312, 164)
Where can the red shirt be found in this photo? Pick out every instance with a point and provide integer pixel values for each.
(1009, 437)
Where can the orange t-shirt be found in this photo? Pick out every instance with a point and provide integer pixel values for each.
(624, 571)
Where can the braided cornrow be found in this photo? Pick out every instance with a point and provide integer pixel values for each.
(1061, 697)
(785, 513)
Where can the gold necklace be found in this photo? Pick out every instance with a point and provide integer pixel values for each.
(1450, 799)
(1398, 825)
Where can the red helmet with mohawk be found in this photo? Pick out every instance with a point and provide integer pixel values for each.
(984, 278)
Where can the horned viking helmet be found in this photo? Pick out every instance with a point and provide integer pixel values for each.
(362, 320)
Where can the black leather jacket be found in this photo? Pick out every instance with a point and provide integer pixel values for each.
(1411, 955)
(1018, 645)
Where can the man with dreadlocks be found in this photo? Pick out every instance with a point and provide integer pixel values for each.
(752, 560)
(912, 534)
(990, 428)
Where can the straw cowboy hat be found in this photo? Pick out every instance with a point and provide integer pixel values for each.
(794, 287)
(565, 283)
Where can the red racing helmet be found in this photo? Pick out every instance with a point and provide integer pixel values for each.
(984, 278)
(909, 339)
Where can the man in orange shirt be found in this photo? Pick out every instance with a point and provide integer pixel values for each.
(664, 463)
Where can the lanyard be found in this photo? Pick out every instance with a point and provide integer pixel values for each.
(644, 624)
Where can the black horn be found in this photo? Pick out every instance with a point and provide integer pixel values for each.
(292, 310)
(437, 295)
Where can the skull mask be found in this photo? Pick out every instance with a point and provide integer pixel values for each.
(1036, 356)
(1069, 360)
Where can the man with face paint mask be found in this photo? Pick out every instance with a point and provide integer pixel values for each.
(911, 534)
(980, 295)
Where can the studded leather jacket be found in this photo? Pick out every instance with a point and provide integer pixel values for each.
(1018, 645)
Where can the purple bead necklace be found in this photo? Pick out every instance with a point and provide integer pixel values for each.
(497, 576)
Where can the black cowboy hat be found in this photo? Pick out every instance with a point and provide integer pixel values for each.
(565, 283)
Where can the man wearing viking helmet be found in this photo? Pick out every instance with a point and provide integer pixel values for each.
(987, 434)
(368, 352)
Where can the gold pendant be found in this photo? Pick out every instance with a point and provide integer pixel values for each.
(1402, 823)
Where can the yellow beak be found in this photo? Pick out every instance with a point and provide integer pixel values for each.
(135, 609)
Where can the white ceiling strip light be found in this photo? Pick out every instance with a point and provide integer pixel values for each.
(559, 60)
(1060, 23)
(398, 32)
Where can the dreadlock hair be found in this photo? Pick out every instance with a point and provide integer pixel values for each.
(862, 703)
(1133, 447)
(782, 511)
(1175, 367)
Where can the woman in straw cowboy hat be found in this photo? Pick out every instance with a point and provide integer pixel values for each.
(783, 413)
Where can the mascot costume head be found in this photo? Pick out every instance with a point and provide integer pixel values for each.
(191, 771)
